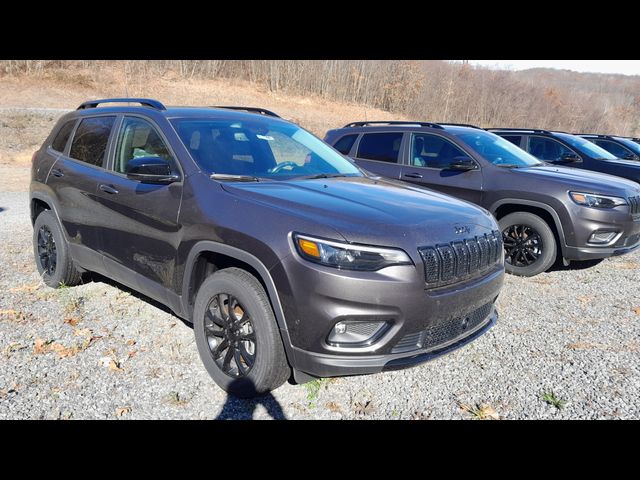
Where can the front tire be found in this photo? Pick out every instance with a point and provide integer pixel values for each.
(51, 253)
(237, 336)
(529, 244)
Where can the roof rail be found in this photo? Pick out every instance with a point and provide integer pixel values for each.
(534, 130)
(145, 102)
(460, 125)
(261, 111)
(392, 122)
(597, 135)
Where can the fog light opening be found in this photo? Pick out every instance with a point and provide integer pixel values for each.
(356, 333)
(602, 237)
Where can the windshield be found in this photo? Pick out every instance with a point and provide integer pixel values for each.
(586, 146)
(496, 149)
(260, 148)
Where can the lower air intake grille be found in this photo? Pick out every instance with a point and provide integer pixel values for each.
(447, 264)
(444, 331)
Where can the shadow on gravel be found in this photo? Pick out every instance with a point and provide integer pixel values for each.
(97, 278)
(242, 409)
(1, 209)
(559, 267)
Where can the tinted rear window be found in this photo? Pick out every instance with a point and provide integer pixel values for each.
(384, 147)
(60, 141)
(90, 141)
(345, 143)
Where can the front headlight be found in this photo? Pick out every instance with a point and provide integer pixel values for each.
(597, 201)
(347, 256)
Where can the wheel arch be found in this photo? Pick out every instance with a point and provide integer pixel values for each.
(510, 205)
(214, 256)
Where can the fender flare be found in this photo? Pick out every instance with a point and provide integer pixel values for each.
(532, 203)
(243, 256)
(53, 204)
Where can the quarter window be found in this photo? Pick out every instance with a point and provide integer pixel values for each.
(60, 141)
(345, 143)
(138, 138)
(384, 147)
(90, 140)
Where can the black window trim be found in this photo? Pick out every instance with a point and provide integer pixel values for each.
(554, 139)
(410, 146)
(109, 140)
(522, 138)
(113, 143)
(401, 150)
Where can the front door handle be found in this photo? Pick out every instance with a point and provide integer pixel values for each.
(108, 189)
(413, 175)
(56, 172)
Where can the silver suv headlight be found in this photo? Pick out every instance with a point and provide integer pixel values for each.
(597, 201)
(347, 256)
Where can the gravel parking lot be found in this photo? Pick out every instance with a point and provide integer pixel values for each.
(566, 346)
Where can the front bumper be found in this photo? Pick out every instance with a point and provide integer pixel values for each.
(586, 221)
(324, 365)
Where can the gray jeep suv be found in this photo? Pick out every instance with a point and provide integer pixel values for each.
(284, 254)
(544, 211)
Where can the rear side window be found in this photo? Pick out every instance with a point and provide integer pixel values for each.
(384, 147)
(515, 139)
(60, 141)
(345, 143)
(90, 141)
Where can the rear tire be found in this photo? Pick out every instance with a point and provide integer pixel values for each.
(232, 313)
(529, 243)
(51, 253)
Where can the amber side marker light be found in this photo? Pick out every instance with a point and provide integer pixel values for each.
(309, 247)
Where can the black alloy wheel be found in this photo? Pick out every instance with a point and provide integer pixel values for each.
(230, 335)
(47, 251)
(522, 244)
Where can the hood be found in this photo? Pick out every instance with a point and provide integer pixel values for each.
(365, 210)
(584, 180)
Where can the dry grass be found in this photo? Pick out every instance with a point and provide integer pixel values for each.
(21, 133)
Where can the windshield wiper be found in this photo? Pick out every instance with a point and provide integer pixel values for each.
(234, 178)
(323, 175)
(507, 165)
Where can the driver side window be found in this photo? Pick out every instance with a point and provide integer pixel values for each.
(138, 138)
(547, 149)
(433, 152)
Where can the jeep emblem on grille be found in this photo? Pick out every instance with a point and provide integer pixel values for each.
(460, 229)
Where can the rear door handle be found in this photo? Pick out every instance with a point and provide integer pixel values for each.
(56, 172)
(108, 189)
(413, 175)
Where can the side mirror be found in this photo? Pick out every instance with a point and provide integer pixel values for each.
(462, 164)
(569, 158)
(150, 170)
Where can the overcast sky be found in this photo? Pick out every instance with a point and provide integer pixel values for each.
(628, 67)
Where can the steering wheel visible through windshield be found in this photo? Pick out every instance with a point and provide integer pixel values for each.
(496, 149)
(260, 148)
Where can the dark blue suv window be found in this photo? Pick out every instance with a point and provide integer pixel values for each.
(345, 143)
(384, 147)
